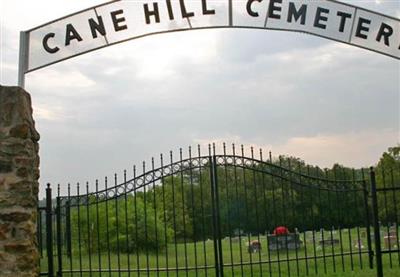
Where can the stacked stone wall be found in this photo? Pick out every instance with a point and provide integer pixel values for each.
(19, 174)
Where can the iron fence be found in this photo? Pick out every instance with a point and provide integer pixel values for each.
(222, 214)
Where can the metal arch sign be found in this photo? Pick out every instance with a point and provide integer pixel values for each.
(118, 21)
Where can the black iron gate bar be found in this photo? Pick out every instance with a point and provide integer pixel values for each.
(376, 192)
(289, 183)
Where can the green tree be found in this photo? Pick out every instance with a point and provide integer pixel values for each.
(388, 176)
(125, 224)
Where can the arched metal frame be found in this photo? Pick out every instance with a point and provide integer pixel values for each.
(24, 36)
(152, 176)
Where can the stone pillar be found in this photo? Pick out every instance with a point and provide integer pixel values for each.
(19, 174)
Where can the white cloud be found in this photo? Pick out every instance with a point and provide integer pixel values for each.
(353, 149)
(26, 14)
(199, 47)
(53, 113)
(59, 81)
(9, 66)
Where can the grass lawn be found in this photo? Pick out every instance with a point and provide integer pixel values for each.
(312, 259)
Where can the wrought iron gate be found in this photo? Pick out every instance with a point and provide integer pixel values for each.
(211, 215)
(386, 213)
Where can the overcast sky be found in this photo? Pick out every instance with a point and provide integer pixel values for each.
(290, 93)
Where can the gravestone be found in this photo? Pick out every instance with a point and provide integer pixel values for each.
(289, 241)
(254, 246)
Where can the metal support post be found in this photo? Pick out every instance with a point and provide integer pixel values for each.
(368, 226)
(23, 58)
(59, 239)
(49, 232)
(378, 250)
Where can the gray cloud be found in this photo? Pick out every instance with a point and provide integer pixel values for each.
(98, 115)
